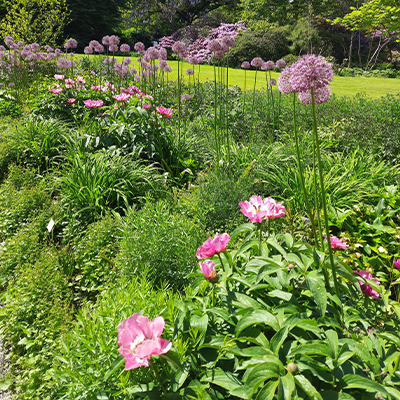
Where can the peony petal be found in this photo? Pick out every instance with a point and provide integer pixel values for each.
(157, 326)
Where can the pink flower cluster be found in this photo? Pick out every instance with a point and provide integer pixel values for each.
(259, 210)
(139, 339)
(309, 72)
(367, 289)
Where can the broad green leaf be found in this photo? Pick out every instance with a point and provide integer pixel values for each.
(289, 240)
(316, 285)
(333, 343)
(261, 373)
(391, 338)
(243, 228)
(271, 241)
(307, 387)
(280, 294)
(244, 301)
(294, 259)
(257, 317)
(278, 339)
(222, 378)
(332, 395)
(351, 381)
(5, 384)
(346, 272)
(222, 313)
(287, 385)
(267, 270)
(268, 391)
(393, 392)
(315, 348)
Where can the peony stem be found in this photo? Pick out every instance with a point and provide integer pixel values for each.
(158, 376)
(321, 181)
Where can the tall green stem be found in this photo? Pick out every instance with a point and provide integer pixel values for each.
(303, 186)
(158, 376)
(321, 182)
(215, 115)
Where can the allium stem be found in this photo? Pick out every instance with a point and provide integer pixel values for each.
(321, 181)
(226, 114)
(179, 103)
(303, 186)
(215, 115)
(252, 108)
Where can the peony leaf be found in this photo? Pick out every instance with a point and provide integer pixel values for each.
(257, 317)
(316, 285)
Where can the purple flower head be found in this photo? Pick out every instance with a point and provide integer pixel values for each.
(321, 95)
(114, 40)
(133, 71)
(2, 48)
(8, 40)
(88, 50)
(57, 52)
(127, 61)
(11, 84)
(35, 47)
(125, 48)
(268, 66)
(284, 83)
(272, 82)
(93, 44)
(179, 48)
(20, 43)
(151, 54)
(214, 46)
(189, 71)
(139, 46)
(99, 48)
(71, 44)
(280, 64)
(245, 65)
(162, 64)
(186, 97)
(167, 69)
(162, 54)
(137, 78)
(229, 41)
(14, 46)
(106, 40)
(311, 71)
(113, 48)
(47, 48)
(256, 62)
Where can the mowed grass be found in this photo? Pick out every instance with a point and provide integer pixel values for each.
(340, 86)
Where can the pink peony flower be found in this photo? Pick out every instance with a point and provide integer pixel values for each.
(397, 264)
(258, 210)
(139, 339)
(337, 243)
(59, 77)
(213, 246)
(164, 111)
(71, 101)
(146, 106)
(365, 288)
(55, 90)
(122, 97)
(93, 103)
(208, 269)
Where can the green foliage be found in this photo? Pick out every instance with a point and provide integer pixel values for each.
(40, 21)
(96, 183)
(304, 38)
(269, 45)
(37, 311)
(91, 344)
(160, 241)
(9, 106)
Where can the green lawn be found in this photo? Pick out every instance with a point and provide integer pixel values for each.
(341, 86)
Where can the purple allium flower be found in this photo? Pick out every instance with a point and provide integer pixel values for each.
(113, 48)
(311, 71)
(245, 65)
(48, 48)
(11, 84)
(139, 47)
(162, 54)
(272, 82)
(20, 43)
(125, 48)
(189, 71)
(114, 40)
(284, 83)
(268, 66)
(151, 54)
(88, 50)
(321, 95)
(93, 44)
(133, 71)
(167, 69)
(99, 48)
(57, 52)
(280, 64)
(137, 78)
(35, 47)
(214, 46)
(229, 41)
(71, 44)
(126, 61)
(106, 40)
(179, 48)
(2, 48)
(186, 97)
(256, 62)
(162, 64)
(8, 40)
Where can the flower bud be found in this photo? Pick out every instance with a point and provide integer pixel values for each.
(291, 266)
(292, 368)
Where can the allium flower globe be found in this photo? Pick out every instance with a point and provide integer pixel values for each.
(213, 246)
(256, 62)
(272, 82)
(245, 65)
(268, 66)
(186, 97)
(284, 83)
(321, 95)
(139, 339)
(280, 64)
(125, 48)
